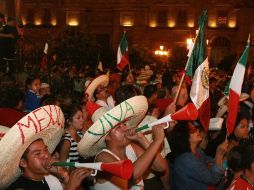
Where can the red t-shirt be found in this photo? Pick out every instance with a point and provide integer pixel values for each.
(240, 184)
(162, 104)
(10, 116)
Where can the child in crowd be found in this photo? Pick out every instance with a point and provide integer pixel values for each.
(32, 98)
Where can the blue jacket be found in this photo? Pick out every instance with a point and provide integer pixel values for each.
(32, 101)
(191, 173)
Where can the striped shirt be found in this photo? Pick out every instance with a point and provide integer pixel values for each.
(73, 153)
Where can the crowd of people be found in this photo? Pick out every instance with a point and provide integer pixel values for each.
(99, 124)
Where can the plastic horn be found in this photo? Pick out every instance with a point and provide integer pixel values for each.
(188, 112)
(122, 169)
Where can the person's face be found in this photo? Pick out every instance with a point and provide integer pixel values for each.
(77, 120)
(241, 131)
(36, 85)
(37, 161)
(117, 135)
(102, 92)
(129, 79)
(183, 97)
(204, 142)
(195, 136)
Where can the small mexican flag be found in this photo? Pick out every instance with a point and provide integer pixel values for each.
(235, 88)
(198, 70)
(122, 53)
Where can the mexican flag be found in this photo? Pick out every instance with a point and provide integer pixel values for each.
(235, 88)
(122, 53)
(198, 70)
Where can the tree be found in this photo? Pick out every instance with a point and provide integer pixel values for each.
(75, 46)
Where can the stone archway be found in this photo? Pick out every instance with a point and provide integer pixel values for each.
(220, 50)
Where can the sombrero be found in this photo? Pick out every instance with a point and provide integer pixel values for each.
(130, 111)
(100, 80)
(222, 103)
(43, 123)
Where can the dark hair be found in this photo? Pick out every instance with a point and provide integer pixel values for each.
(49, 100)
(11, 97)
(69, 113)
(248, 154)
(239, 117)
(30, 79)
(125, 92)
(235, 158)
(150, 90)
(180, 138)
(24, 155)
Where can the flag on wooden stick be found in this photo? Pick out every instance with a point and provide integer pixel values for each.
(198, 69)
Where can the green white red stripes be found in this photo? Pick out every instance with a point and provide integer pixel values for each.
(198, 69)
(235, 88)
(122, 53)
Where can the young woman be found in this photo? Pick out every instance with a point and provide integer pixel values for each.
(74, 125)
(190, 171)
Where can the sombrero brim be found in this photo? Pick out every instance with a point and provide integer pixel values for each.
(132, 111)
(243, 97)
(100, 80)
(45, 123)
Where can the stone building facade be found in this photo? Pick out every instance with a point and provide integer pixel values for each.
(151, 23)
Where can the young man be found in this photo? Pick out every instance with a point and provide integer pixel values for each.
(36, 171)
(27, 147)
(97, 90)
(114, 131)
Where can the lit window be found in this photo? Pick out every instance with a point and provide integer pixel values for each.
(126, 19)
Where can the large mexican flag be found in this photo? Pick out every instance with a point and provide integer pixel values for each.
(198, 70)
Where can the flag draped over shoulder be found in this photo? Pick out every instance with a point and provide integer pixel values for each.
(44, 60)
(122, 53)
(198, 70)
(235, 88)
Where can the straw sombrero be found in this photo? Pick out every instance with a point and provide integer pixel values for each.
(222, 103)
(100, 80)
(43, 123)
(130, 111)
